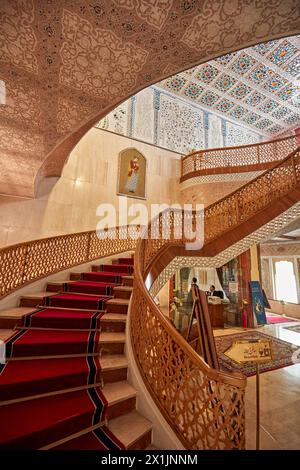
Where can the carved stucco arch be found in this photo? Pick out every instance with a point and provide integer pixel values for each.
(67, 65)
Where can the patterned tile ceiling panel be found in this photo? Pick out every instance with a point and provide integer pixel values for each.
(258, 86)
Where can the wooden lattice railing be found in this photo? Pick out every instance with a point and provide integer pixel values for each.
(27, 262)
(237, 159)
(205, 407)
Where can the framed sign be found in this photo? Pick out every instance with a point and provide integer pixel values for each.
(132, 174)
(258, 350)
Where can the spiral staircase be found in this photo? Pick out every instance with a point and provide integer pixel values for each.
(82, 399)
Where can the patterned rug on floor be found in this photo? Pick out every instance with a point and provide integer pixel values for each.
(295, 329)
(282, 353)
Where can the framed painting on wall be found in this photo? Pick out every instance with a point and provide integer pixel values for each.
(132, 174)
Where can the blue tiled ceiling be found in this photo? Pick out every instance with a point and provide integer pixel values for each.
(259, 86)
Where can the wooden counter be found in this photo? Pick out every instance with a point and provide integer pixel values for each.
(216, 312)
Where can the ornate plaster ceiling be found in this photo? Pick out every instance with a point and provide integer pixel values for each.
(258, 86)
(67, 63)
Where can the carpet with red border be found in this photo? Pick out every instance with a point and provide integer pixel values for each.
(55, 351)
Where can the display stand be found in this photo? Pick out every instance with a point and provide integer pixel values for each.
(257, 351)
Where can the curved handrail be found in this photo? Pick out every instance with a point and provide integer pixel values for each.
(27, 262)
(185, 388)
(252, 197)
(235, 208)
(252, 157)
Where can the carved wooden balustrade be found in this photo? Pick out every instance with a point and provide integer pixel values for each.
(244, 158)
(204, 407)
(251, 198)
(27, 262)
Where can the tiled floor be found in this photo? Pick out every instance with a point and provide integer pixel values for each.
(279, 398)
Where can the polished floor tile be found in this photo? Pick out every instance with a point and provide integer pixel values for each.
(279, 398)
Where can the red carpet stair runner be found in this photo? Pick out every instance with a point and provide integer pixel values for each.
(64, 383)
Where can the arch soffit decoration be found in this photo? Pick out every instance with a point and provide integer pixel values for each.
(133, 149)
(66, 66)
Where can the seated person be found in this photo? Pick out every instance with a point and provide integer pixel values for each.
(215, 293)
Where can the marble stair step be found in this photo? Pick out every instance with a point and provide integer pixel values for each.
(53, 344)
(121, 397)
(34, 300)
(126, 260)
(6, 333)
(23, 380)
(12, 317)
(37, 432)
(122, 292)
(82, 287)
(117, 305)
(117, 268)
(75, 276)
(55, 286)
(111, 343)
(127, 280)
(69, 300)
(113, 322)
(133, 430)
(113, 368)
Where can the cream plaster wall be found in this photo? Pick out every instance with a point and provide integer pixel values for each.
(164, 297)
(68, 204)
(254, 261)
